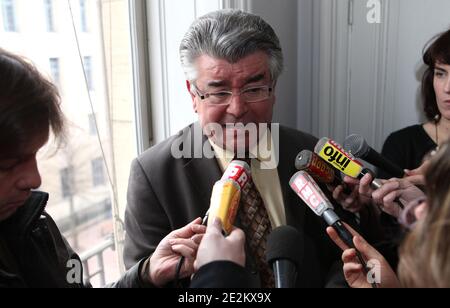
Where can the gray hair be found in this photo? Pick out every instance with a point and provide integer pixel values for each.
(231, 35)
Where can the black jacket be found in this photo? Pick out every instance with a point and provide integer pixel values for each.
(34, 254)
(221, 274)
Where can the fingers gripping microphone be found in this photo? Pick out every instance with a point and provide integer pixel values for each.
(308, 190)
(357, 146)
(225, 199)
(333, 153)
(285, 249)
(226, 194)
(319, 169)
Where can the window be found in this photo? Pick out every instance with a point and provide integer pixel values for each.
(83, 16)
(85, 207)
(48, 11)
(98, 174)
(92, 125)
(67, 182)
(87, 63)
(55, 70)
(9, 15)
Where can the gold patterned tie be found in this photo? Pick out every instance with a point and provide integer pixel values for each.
(256, 225)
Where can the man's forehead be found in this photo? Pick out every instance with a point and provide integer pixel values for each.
(216, 72)
(227, 82)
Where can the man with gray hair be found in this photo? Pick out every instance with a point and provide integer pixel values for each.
(232, 62)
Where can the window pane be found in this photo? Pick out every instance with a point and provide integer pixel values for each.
(98, 173)
(9, 15)
(67, 182)
(55, 70)
(87, 62)
(87, 177)
(48, 11)
(92, 125)
(83, 16)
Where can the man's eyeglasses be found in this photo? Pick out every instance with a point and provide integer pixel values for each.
(249, 95)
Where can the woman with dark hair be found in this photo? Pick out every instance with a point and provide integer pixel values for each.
(409, 147)
(33, 253)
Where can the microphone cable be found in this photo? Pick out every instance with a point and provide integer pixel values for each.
(182, 258)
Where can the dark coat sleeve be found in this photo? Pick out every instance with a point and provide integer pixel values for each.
(132, 278)
(221, 274)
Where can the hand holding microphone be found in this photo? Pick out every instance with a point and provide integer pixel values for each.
(363, 184)
(357, 146)
(308, 190)
(164, 260)
(394, 191)
(354, 273)
(225, 199)
(333, 153)
(216, 247)
(320, 170)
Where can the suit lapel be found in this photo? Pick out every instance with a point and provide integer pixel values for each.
(294, 207)
(204, 172)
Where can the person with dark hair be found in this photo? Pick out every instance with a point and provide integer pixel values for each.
(409, 147)
(33, 253)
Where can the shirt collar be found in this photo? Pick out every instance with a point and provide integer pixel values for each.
(264, 152)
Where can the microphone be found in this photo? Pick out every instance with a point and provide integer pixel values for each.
(285, 247)
(239, 171)
(357, 146)
(225, 199)
(226, 194)
(319, 169)
(308, 190)
(333, 153)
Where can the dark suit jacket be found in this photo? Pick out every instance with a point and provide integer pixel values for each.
(165, 194)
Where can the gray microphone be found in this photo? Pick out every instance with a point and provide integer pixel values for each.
(357, 146)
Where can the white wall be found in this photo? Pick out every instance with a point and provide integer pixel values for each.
(369, 74)
(283, 17)
(340, 77)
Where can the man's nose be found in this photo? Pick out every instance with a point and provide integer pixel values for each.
(30, 177)
(238, 107)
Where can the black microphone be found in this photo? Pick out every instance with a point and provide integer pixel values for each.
(357, 145)
(285, 249)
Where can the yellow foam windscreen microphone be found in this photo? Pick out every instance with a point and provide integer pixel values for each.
(227, 192)
(333, 153)
(224, 205)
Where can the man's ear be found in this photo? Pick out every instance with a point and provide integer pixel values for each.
(189, 86)
(194, 101)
